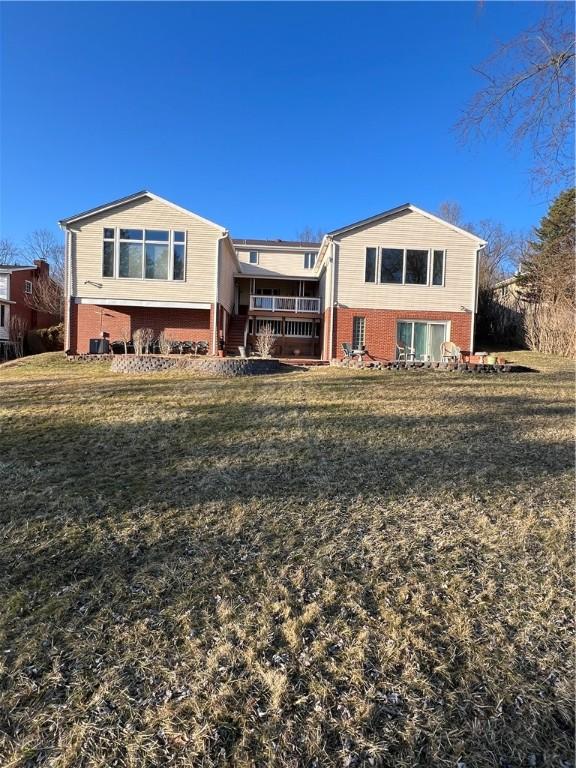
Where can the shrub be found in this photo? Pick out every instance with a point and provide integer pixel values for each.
(265, 341)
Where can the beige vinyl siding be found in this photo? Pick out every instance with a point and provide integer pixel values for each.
(273, 263)
(228, 266)
(407, 230)
(201, 243)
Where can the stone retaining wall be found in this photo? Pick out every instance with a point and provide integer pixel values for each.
(220, 366)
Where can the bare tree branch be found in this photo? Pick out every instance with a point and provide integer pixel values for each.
(529, 95)
(9, 252)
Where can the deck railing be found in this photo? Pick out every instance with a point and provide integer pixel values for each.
(285, 303)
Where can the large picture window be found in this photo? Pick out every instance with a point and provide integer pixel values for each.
(405, 266)
(151, 254)
(416, 271)
(391, 265)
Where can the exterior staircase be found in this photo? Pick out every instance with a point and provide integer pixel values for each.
(235, 337)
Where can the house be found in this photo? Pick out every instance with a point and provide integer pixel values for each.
(401, 277)
(17, 284)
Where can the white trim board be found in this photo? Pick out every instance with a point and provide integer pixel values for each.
(142, 303)
(132, 198)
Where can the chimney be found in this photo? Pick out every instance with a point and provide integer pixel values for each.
(42, 266)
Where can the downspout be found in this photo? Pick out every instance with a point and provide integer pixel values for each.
(67, 285)
(332, 261)
(223, 236)
(475, 297)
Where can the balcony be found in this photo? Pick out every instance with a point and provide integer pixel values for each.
(285, 304)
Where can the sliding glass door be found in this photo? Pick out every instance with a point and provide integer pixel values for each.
(422, 340)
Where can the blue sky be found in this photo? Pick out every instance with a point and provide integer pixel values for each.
(264, 117)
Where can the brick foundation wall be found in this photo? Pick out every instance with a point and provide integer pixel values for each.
(381, 328)
(88, 320)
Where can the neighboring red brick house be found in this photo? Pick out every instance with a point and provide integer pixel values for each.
(401, 282)
(16, 290)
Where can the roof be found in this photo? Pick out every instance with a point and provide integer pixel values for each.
(129, 199)
(401, 209)
(12, 267)
(275, 243)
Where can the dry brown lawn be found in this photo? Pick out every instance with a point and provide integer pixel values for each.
(323, 568)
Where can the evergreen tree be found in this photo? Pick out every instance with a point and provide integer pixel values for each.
(548, 273)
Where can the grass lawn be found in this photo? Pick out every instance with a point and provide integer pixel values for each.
(323, 568)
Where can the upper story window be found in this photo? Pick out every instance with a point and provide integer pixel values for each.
(3, 286)
(404, 266)
(310, 259)
(28, 286)
(144, 254)
(253, 257)
(370, 266)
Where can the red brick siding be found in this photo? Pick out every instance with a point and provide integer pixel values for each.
(88, 320)
(31, 317)
(381, 328)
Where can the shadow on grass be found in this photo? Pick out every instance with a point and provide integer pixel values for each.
(172, 563)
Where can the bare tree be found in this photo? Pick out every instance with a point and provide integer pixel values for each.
(42, 244)
(164, 343)
(125, 337)
(529, 95)
(451, 211)
(9, 252)
(47, 296)
(502, 251)
(17, 329)
(310, 235)
(265, 340)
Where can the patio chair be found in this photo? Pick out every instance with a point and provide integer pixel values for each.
(449, 352)
(405, 353)
(347, 349)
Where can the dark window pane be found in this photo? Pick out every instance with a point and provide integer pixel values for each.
(156, 262)
(178, 262)
(108, 260)
(108, 234)
(391, 265)
(253, 257)
(178, 237)
(370, 266)
(157, 234)
(417, 267)
(130, 262)
(438, 268)
(130, 234)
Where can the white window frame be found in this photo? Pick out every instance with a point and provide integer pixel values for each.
(310, 259)
(171, 242)
(298, 323)
(362, 343)
(446, 323)
(254, 263)
(443, 283)
(258, 322)
(405, 249)
(28, 287)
